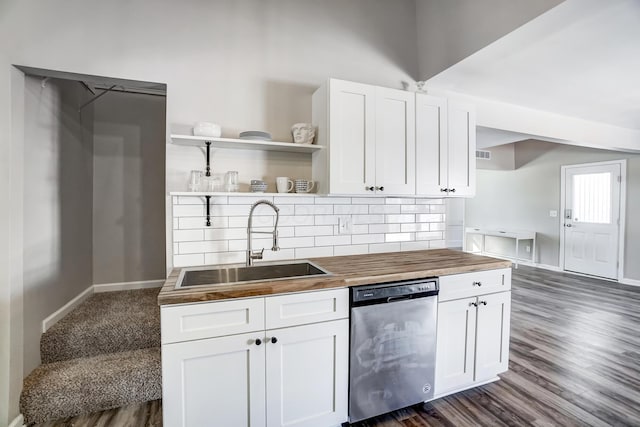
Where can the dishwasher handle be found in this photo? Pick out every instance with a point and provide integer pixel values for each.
(400, 298)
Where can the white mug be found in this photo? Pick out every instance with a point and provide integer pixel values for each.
(303, 186)
(284, 184)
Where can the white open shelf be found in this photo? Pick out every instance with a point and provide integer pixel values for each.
(244, 144)
(239, 193)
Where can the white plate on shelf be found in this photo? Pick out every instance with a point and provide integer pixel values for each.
(255, 135)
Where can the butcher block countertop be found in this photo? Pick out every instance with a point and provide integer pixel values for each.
(351, 270)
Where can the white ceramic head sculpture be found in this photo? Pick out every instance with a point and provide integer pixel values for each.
(303, 133)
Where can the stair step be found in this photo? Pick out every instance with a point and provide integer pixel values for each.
(109, 322)
(90, 384)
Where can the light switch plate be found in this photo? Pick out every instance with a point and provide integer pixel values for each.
(553, 214)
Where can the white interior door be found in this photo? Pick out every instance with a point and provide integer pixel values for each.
(592, 219)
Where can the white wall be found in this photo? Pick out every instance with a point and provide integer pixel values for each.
(128, 188)
(449, 31)
(503, 157)
(57, 203)
(248, 64)
(522, 198)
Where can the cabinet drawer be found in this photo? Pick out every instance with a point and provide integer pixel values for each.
(309, 307)
(472, 284)
(211, 319)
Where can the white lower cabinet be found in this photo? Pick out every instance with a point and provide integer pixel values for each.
(294, 376)
(307, 375)
(473, 341)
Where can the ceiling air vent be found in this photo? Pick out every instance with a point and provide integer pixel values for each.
(483, 154)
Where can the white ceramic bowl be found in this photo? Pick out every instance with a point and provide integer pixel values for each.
(258, 188)
(207, 129)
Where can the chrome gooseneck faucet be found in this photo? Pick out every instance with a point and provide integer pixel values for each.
(258, 255)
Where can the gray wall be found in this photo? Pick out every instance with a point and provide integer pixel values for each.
(247, 64)
(522, 198)
(503, 157)
(128, 188)
(451, 30)
(57, 203)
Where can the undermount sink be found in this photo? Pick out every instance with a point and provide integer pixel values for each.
(203, 276)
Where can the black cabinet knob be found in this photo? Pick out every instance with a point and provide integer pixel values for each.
(274, 340)
(380, 188)
(453, 190)
(258, 341)
(443, 190)
(477, 283)
(483, 302)
(370, 188)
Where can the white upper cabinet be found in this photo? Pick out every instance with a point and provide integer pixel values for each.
(369, 133)
(445, 147)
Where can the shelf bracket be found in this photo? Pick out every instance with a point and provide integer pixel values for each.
(208, 210)
(208, 172)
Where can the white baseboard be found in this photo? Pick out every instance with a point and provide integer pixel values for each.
(17, 421)
(631, 282)
(126, 286)
(66, 309)
(105, 287)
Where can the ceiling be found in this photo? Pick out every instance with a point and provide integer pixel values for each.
(580, 59)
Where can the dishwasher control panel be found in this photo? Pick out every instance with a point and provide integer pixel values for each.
(395, 290)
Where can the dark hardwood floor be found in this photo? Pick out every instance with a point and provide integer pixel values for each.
(574, 361)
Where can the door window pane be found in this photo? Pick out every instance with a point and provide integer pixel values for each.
(592, 198)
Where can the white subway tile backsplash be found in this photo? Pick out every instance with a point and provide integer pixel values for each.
(368, 219)
(313, 209)
(224, 233)
(415, 208)
(225, 258)
(326, 220)
(314, 252)
(188, 260)
(350, 209)
(400, 201)
(414, 226)
(333, 240)
(414, 246)
(399, 237)
(314, 230)
(429, 235)
(203, 246)
(333, 201)
(367, 200)
(384, 228)
(429, 218)
(384, 247)
(188, 210)
(390, 219)
(351, 250)
(307, 228)
(296, 220)
(283, 200)
(187, 223)
(384, 209)
(367, 238)
(188, 235)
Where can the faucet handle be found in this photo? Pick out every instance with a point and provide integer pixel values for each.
(257, 255)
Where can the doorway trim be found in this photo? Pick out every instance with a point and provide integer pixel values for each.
(623, 210)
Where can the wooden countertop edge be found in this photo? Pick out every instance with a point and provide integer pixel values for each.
(416, 267)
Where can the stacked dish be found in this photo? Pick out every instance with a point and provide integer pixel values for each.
(258, 186)
(255, 135)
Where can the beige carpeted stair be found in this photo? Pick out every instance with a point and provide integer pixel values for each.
(102, 355)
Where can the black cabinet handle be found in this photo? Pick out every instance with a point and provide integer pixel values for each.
(444, 190)
(274, 340)
(477, 283)
(258, 341)
(380, 188)
(483, 302)
(453, 190)
(370, 188)
(475, 304)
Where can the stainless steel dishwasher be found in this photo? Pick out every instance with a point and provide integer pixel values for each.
(393, 346)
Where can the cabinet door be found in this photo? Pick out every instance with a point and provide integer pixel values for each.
(456, 345)
(214, 382)
(395, 142)
(352, 137)
(431, 145)
(462, 149)
(307, 375)
(492, 342)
